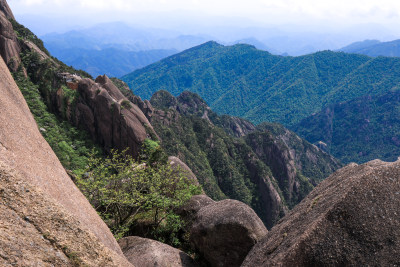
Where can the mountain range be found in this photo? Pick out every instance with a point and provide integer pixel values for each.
(242, 81)
(113, 62)
(88, 48)
(116, 49)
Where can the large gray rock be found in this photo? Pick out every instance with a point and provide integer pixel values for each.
(350, 219)
(145, 252)
(224, 232)
(190, 209)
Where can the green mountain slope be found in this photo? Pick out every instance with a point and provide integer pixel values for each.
(269, 167)
(359, 130)
(242, 81)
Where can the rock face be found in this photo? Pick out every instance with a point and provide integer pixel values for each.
(35, 231)
(9, 47)
(111, 120)
(176, 164)
(288, 155)
(224, 232)
(24, 149)
(190, 209)
(6, 10)
(145, 252)
(351, 219)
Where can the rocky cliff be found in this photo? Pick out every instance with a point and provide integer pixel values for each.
(297, 165)
(110, 118)
(6, 10)
(9, 47)
(23, 148)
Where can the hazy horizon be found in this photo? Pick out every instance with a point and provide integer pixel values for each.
(319, 25)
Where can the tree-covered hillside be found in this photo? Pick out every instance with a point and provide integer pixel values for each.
(359, 130)
(269, 167)
(242, 81)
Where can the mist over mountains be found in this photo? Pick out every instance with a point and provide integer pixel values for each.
(374, 48)
(85, 47)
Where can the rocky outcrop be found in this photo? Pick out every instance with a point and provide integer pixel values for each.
(9, 47)
(180, 166)
(6, 10)
(111, 119)
(190, 209)
(145, 252)
(24, 149)
(235, 126)
(350, 219)
(224, 232)
(35, 231)
(196, 203)
(288, 156)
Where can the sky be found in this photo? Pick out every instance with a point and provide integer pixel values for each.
(345, 20)
(385, 12)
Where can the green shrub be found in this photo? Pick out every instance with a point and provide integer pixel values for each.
(124, 190)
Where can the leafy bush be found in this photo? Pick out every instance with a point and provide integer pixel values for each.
(124, 190)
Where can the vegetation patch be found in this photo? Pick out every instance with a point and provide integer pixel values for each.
(125, 192)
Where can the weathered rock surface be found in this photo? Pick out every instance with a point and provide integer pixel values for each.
(35, 231)
(9, 47)
(145, 252)
(190, 209)
(288, 156)
(111, 120)
(224, 232)
(350, 219)
(6, 9)
(178, 164)
(24, 149)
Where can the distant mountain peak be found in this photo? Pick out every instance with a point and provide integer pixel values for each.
(210, 44)
(374, 48)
